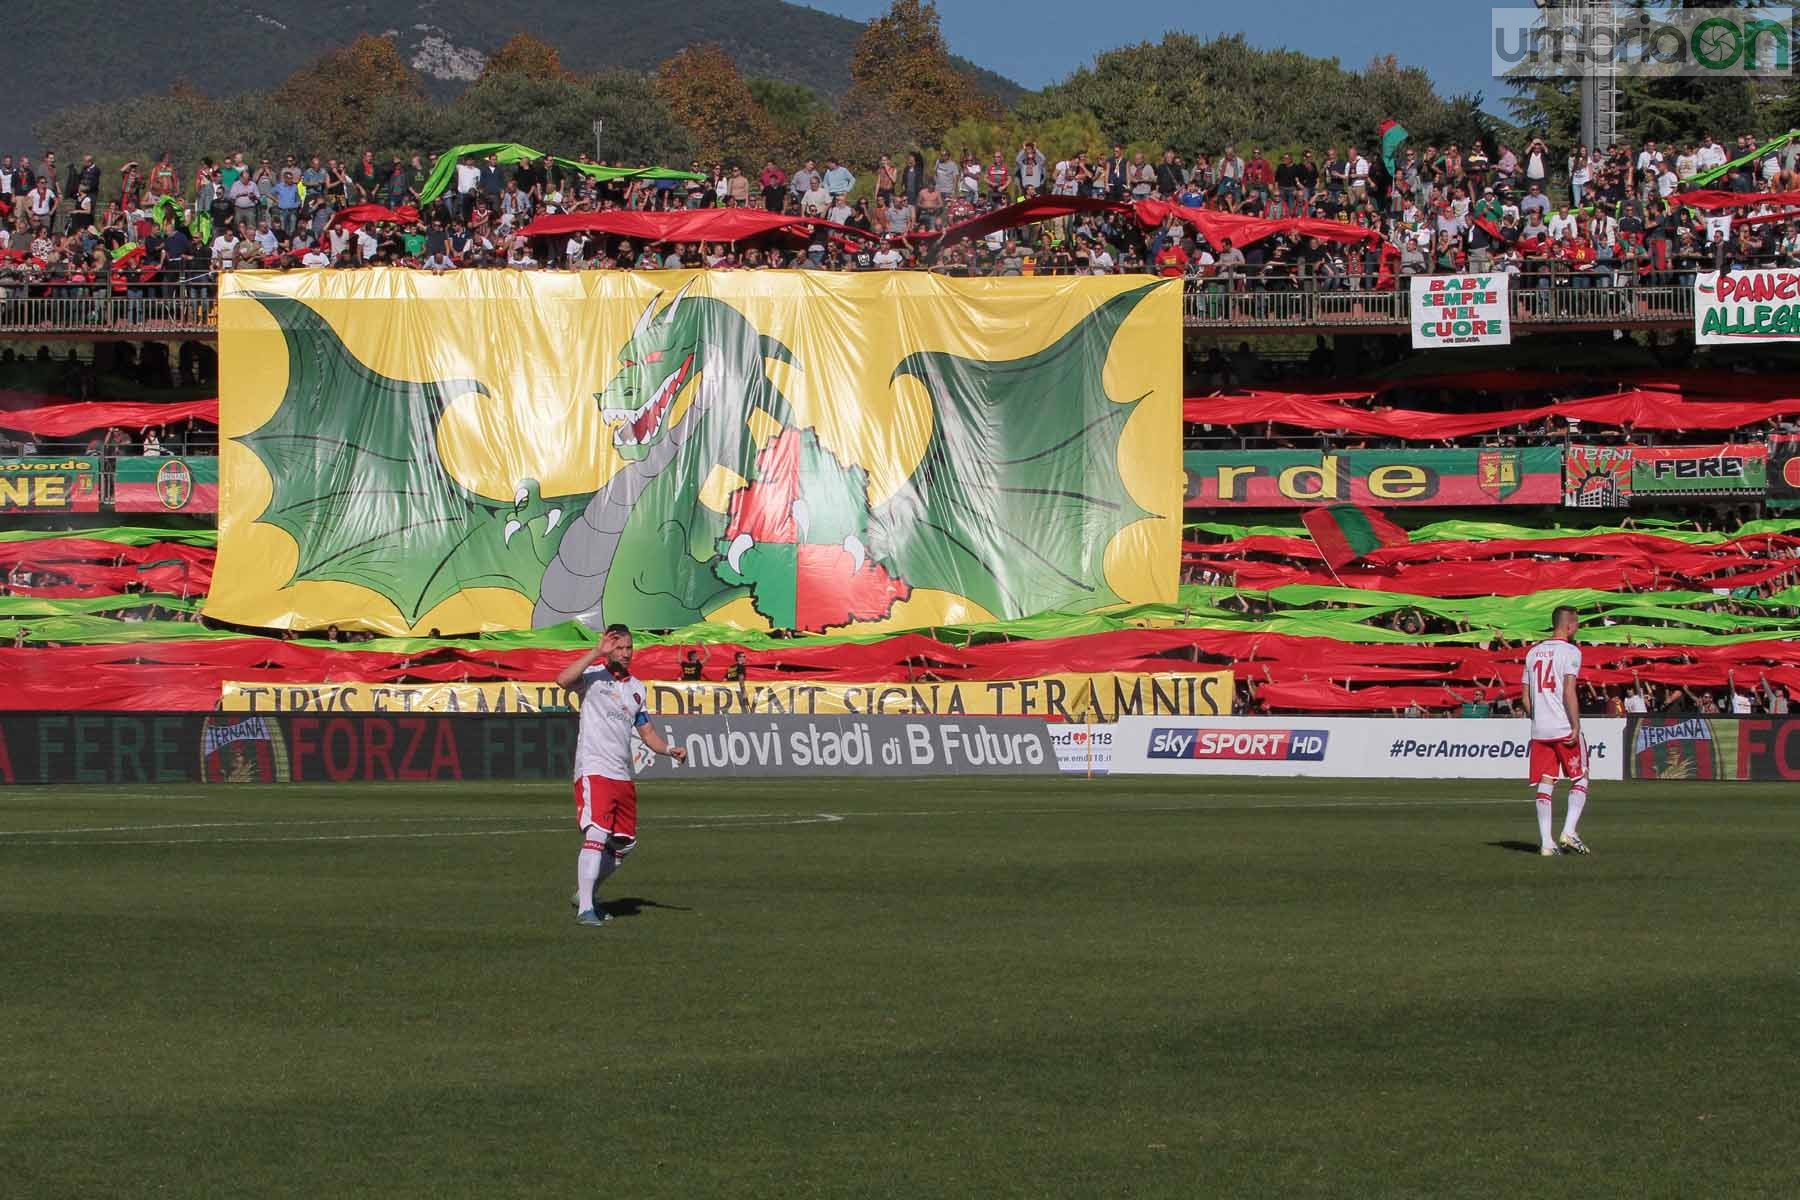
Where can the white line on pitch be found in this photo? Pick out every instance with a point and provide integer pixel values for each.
(561, 827)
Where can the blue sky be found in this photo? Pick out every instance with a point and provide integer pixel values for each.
(1040, 41)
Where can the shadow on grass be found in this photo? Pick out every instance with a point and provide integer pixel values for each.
(631, 906)
(1522, 847)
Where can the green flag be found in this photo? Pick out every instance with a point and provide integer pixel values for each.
(1391, 135)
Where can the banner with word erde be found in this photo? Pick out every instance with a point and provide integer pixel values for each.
(1460, 310)
(1097, 696)
(791, 450)
(1404, 477)
(1745, 307)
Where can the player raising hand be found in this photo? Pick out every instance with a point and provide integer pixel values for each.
(612, 709)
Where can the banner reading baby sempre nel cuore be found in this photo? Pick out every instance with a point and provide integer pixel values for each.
(1460, 310)
(404, 451)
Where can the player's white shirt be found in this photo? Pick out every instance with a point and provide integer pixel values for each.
(612, 710)
(1547, 664)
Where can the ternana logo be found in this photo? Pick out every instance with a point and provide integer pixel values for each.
(1264, 745)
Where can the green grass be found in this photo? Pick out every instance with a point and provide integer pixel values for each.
(1130, 987)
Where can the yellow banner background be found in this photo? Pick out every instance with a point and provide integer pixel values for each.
(542, 345)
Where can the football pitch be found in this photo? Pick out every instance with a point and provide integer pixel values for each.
(1128, 987)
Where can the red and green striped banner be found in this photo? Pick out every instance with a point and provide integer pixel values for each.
(189, 485)
(1346, 532)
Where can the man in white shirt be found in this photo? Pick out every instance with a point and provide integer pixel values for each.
(1711, 153)
(1742, 705)
(888, 257)
(612, 710)
(1557, 747)
(1562, 224)
(223, 248)
(468, 182)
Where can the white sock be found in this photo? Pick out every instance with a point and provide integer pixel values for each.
(1577, 801)
(609, 862)
(1544, 811)
(587, 874)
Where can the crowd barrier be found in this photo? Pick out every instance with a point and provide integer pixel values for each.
(219, 747)
(110, 748)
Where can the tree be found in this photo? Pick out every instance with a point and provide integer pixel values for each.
(702, 87)
(902, 67)
(527, 56)
(336, 94)
(557, 116)
(1201, 96)
(805, 124)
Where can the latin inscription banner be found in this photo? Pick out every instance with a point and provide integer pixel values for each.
(1099, 696)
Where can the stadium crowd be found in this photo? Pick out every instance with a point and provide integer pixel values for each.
(1575, 218)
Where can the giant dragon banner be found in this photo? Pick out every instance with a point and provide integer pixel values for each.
(403, 451)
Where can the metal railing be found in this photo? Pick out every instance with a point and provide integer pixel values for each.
(93, 310)
(1559, 301)
(1549, 302)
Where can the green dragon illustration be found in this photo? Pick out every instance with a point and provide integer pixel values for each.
(359, 486)
(1012, 503)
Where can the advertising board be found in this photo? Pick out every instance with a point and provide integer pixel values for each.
(1711, 747)
(219, 747)
(1347, 747)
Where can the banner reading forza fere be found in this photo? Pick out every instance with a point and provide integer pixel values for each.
(1073, 697)
(405, 451)
(1299, 478)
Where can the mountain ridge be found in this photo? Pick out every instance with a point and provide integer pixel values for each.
(108, 51)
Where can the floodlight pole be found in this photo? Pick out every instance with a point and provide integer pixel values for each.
(598, 126)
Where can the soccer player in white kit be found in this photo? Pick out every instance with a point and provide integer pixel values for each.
(612, 709)
(1557, 747)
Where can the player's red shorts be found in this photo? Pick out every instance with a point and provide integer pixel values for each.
(1559, 757)
(610, 804)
